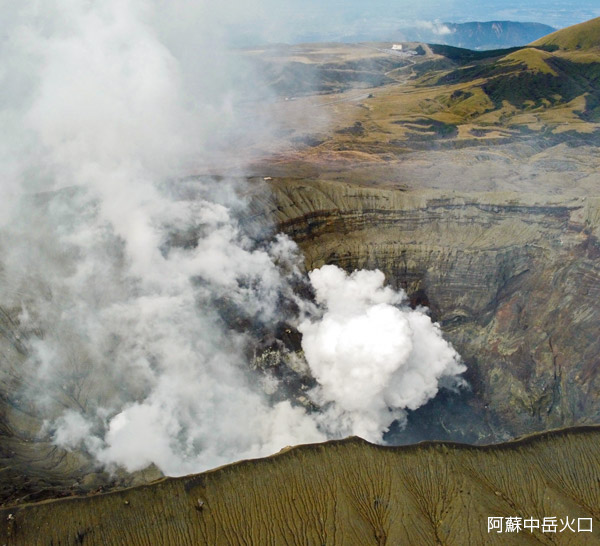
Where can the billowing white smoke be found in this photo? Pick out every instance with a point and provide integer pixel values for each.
(372, 356)
(127, 352)
(125, 345)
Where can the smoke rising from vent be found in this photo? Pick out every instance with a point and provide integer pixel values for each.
(373, 356)
(124, 279)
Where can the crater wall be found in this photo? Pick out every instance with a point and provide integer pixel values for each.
(513, 279)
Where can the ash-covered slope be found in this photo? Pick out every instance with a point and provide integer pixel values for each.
(348, 492)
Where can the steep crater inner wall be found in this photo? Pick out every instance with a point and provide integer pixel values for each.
(512, 278)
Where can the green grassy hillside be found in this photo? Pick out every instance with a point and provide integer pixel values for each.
(578, 37)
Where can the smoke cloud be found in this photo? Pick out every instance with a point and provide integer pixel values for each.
(373, 356)
(123, 279)
(127, 352)
(435, 27)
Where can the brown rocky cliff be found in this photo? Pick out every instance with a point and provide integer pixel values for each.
(513, 279)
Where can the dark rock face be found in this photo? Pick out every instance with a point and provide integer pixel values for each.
(513, 279)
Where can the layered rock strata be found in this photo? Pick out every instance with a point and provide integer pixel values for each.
(514, 280)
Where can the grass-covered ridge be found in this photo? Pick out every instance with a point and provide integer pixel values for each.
(583, 36)
(461, 55)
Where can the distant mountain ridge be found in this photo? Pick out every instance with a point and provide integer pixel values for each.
(479, 35)
(493, 34)
(471, 35)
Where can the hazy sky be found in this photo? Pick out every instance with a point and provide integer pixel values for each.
(336, 19)
(552, 12)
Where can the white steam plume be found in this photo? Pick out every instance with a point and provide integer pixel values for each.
(119, 274)
(127, 354)
(372, 356)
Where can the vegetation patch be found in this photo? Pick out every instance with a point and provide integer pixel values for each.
(355, 130)
(572, 80)
(460, 55)
(427, 128)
